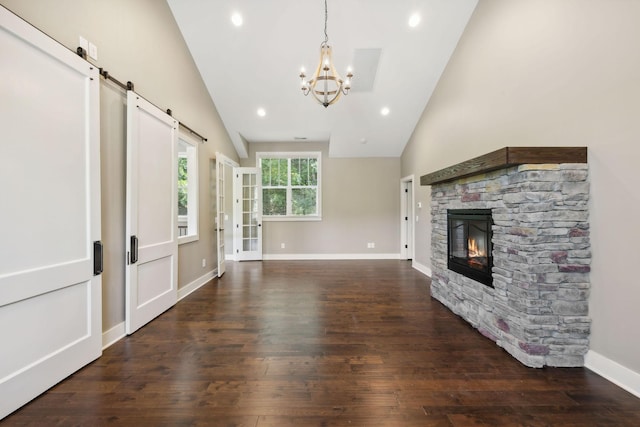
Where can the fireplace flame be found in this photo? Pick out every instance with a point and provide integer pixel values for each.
(474, 251)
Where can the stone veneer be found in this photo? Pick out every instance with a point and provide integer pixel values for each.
(538, 308)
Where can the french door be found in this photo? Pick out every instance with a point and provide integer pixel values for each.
(151, 217)
(220, 214)
(50, 250)
(247, 195)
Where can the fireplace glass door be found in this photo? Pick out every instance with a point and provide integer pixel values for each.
(469, 244)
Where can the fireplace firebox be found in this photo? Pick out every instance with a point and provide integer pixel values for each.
(469, 244)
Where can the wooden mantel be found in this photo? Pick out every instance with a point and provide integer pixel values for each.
(504, 158)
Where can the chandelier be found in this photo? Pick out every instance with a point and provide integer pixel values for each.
(325, 85)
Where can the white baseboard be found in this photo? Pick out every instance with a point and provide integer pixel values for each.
(113, 335)
(200, 281)
(118, 332)
(309, 257)
(421, 268)
(616, 373)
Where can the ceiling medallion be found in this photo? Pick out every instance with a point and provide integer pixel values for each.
(325, 85)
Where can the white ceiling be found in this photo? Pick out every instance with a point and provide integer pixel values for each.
(257, 65)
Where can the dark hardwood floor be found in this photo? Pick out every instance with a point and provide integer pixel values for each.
(347, 343)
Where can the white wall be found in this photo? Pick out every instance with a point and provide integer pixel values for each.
(553, 73)
(137, 41)
(360, 204)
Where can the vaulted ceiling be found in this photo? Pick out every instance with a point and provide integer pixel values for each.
(256, 65)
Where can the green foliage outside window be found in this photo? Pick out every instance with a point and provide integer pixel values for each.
(296, 178)
(182, 186)
(274, 201)
(303, 201)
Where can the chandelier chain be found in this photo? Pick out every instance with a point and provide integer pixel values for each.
(326, 36)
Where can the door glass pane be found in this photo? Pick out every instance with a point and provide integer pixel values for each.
(246, 192)
(458, 239)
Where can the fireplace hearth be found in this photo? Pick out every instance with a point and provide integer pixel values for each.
(469, 249)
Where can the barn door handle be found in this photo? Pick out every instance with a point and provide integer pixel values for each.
(134, 250)
(97, 258)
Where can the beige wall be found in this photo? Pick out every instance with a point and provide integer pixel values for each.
(360, 204)
(137, 41)
(552, 73)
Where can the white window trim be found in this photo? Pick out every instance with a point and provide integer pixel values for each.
(294, 154)
(193, 193)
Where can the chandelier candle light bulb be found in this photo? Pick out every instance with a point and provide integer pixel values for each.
(332, 84)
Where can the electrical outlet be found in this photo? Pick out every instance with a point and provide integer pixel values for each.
(282, 245)
(371, 245)
(93, 51)
(204, 262)
(84, 44)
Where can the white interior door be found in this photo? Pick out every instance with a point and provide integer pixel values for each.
(408, 218)
(50, 298)
(220, 214)
(152, 241)
(247, 193)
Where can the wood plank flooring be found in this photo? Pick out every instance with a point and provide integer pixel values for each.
(320, 343)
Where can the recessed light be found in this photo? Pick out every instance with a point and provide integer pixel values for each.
(261, 112)
(414, 20)
(236, 18)
(385, 111)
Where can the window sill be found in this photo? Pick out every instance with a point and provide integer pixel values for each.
(187, 239)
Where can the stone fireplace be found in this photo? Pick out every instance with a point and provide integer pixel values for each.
(537, 307)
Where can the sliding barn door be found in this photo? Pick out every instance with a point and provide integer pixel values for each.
(152, 241)
(50, 287)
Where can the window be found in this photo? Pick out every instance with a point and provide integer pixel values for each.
(187, 190)
(290, 185)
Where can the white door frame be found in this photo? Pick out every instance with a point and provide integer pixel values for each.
(222, 163)
(407, 218)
